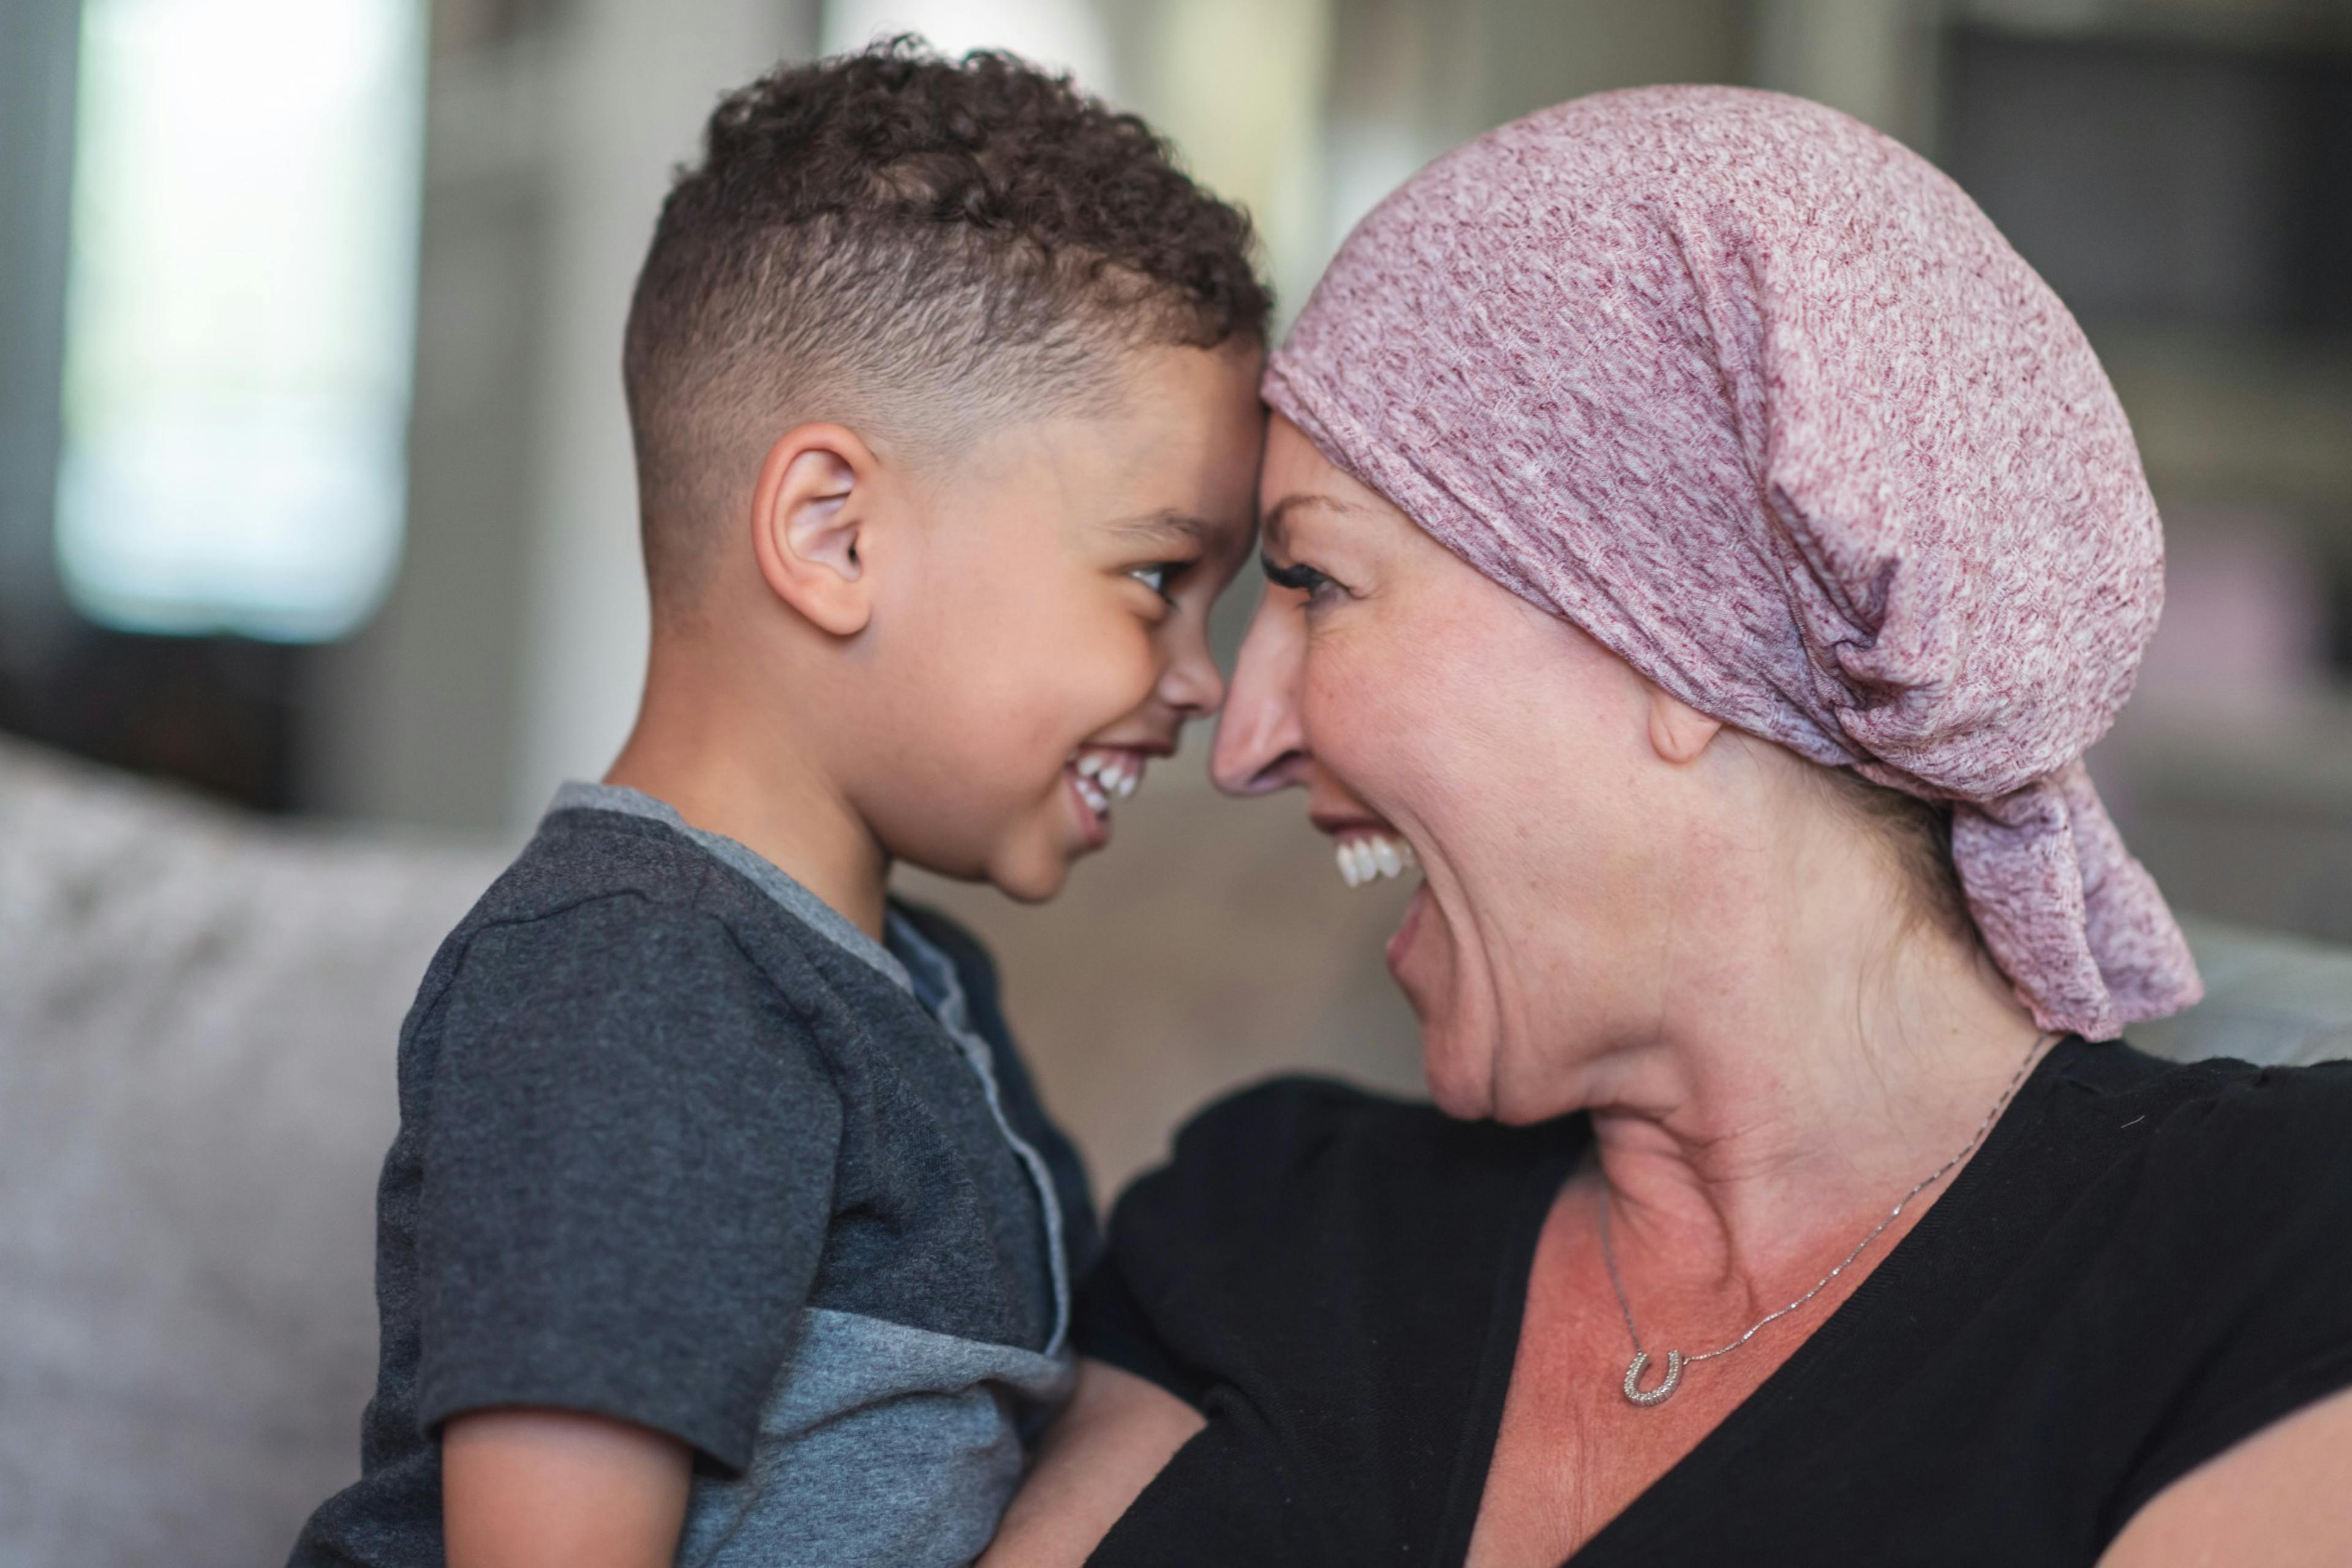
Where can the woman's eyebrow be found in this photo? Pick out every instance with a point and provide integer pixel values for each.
(1277, 516)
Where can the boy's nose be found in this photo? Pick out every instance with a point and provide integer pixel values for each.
(1260, 736)
(1192, 685)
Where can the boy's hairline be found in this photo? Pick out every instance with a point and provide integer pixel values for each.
(904, 435)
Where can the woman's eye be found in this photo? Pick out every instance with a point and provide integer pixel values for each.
(1158, 576)
(1299, 579)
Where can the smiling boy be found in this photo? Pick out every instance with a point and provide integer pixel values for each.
(723, 1225)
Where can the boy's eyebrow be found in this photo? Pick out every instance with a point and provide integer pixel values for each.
(1159, 525)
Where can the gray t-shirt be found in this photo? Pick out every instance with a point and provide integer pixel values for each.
(681, 1145)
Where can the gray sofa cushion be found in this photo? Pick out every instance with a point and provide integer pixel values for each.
(196, 1023)
(2269, 998)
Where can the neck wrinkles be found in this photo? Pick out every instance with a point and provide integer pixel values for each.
(1756, 1135)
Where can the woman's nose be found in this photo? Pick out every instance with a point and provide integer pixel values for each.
(1260, 735)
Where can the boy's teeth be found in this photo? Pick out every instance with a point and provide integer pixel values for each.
(1118, 774)
(1092, 793)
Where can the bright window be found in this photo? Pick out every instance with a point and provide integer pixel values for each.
(1065, 35)
(239, 313)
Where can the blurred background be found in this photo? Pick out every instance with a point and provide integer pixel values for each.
(318, 567)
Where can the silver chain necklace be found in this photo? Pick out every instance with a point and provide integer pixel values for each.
(1677, 1360)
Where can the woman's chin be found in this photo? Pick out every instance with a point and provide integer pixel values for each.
(1454, 1087)
(1454, 1059)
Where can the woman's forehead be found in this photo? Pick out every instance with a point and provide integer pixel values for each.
(1299, 482)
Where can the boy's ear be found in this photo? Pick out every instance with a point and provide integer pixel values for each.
(810, 515)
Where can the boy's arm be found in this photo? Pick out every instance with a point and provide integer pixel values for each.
(523, 1489)
(627, 1158)
(1118, 1433)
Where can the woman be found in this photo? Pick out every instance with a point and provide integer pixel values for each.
(1709, 549)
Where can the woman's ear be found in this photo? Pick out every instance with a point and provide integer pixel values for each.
(1678, 732)
(810, 512)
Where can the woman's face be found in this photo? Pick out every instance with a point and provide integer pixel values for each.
(1410, 694)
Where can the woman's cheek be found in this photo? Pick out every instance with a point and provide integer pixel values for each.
(1347, 709)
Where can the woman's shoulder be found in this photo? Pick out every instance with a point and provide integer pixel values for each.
(1284, 1128)
(2276, 1127)
(2218, 1151)
(1307, 1152)
(2184, 1223)
(1289, 1206)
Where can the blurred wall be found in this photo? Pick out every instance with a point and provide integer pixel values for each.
(37, 41)
(510, 654)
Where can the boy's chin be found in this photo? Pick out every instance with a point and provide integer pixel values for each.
(1032, 879)
(1026, 876)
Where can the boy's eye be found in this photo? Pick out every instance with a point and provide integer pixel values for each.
(1158, 576)
(1298, 579)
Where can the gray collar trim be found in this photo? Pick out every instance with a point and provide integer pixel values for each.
(578, 794)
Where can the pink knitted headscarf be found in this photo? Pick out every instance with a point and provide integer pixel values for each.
(1761, 401)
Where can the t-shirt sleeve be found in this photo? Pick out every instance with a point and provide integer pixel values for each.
(1191, 1293)
(628, 1170)
(1316, 1271)
(1112, 1326)
(2259, 1187)
(1196, 1230)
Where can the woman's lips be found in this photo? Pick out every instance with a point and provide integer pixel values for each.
(1407, 928)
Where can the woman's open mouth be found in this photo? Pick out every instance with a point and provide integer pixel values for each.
(1402, 937)
(1368, 850)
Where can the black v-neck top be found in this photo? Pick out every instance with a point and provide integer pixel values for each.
(2144, 1263)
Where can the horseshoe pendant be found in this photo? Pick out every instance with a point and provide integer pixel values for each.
(1665, 1388)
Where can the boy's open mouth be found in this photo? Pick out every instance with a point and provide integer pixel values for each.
(1098, 776)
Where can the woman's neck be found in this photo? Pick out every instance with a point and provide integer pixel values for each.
(1817, 1073)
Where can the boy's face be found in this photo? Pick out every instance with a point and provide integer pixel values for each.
(1042, 630)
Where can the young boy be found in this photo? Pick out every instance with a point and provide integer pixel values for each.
(723, 1225)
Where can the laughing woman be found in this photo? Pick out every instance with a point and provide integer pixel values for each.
(1709, 549)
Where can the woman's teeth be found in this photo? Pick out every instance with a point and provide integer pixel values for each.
(1369, 856)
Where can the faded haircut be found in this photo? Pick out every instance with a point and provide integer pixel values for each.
(920, 247)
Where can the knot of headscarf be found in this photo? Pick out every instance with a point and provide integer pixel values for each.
(1764, 404)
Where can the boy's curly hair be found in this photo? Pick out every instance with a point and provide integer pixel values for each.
(915, 245)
